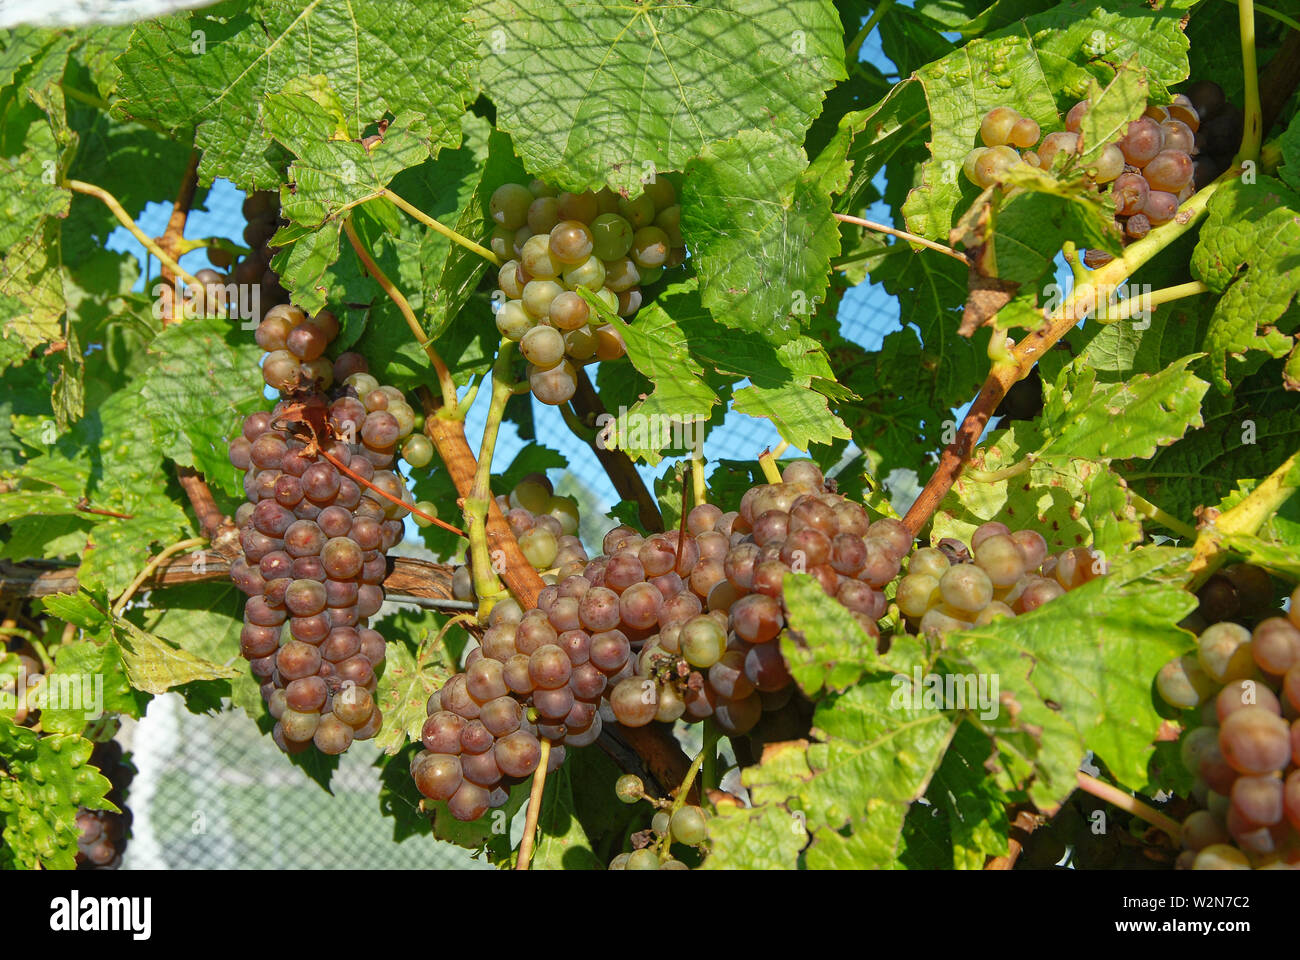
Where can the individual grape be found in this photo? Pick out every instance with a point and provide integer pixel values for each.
(502, 715)
(1220, 856)
(1109, 165)
(727, 676)
(580, 344)
(997, 125)
(629, 302)
(638, 211)
(1001, 559)
(1275, 644)
(635, 701)
(1182, 683)
(649, 247)
(970, 165)
(556, 385)
(1178, 136)
(543, 215)
(537, 260)
(469, 802)
(1254, 588)
(1239, 694)
(590, 274)
(517, 754)
(1074, 118)
(438, 776)
(611, 236)
(513, 321)
(1168, 170)
(1182, 109)
(1258, 800)
(297, 726)
(1142, 140)
(307, 342)
(280, 370)
(689, 826)
(510, 204)
(609, 343)
(1024, 133)
(966, 587)
(1038, 592)
(543, 346)
(512, 278)
(991, 166)
(1224, 652)
(1201, 829)
(417, 450)
(548, 667)
(669, 220)
(765, 668)
(639, 605)
(539, 547)
(568, 311)
(332, 735)
(1255, 741)
(354, 705)
(1160, 207)
(571, 242)
(609, 651)
(1061, 142)
(320, 482)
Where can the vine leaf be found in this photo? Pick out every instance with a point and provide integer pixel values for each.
(759, 225)
(1247, 251)
(404, 690)
(562, 843)
(210, 69)
(43, 781)
(89, 681)
(1075, 674)
(628, 90)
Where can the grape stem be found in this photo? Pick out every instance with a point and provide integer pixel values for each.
(1276, 15)
(347, 471)
(534, 807)
(697, 481)
(1150, 510)
(486, 584)
(173, 238)
(151, 566)
(1126, 309)
(1252, 133)
(110, 201)
(441, 228)
(903, 235)
(1083, 300)
(767, 463)
(445, 382)
(1245, 518)
(679, 801)
(855, 45)
(1006, 473)
(1130, 804)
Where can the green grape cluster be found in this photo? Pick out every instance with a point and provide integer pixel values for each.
(555, 244)
(684, 824)
(1003, 573)
(1240, 689)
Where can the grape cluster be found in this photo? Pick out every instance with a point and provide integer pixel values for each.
(672, 823)
(661, 628)
(557, 243)
(103, 835)
(1003, 573)
(1242, 743)
(262, 220)
(314, 537)
(1163, 157)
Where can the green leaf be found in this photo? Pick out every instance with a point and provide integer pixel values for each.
(761, 234)
(203, 381)
(408, 682)
(1282, 559)
(1076, 674)
(969, 801)
(1121, 421)
(211, 69)
(761, 838)
(562, 844)
(88, 681)
(1247, 251)
(43, 781)
(156, 666)
(626, 91)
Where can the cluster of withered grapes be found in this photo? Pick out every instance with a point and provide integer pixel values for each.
(1003, 573)
(1242, 737)
(1163, 157)
(556, 244)
(314, 537)
(661, 628)
(686, 824)
(102, 835)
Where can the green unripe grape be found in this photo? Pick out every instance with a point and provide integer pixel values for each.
(590, 274)
(673, 865)
(578, 206)
(543, 346)
(659, 822)
(539, 547)
(993, 164)
(511, 279)
(928, 560)
(513, 321)
(606, 200)
(645, 859)
(543, 215)
(405, 417)
(611, 236)
(690, 826)
(417, 450)
(917, 593)
(537, 296)
(650, 274)
(649, 247)
(703, 641)
(661, 192)
(1109, 165)
(565, 510)
(966, 587)
(424, 506)
(994, 611)
(540, 188)
(995, 128)
(570, 241)
(970, 165)
(609, 298)
(669, 220)
(621, 274)
(580, 344)
(509, 205)
(619, 862)
(531, 496)
(362, 383)
(1182, 683)
(629, 788)
(502, 242)
(638, 211)
(1224, 652)
(537, 260)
